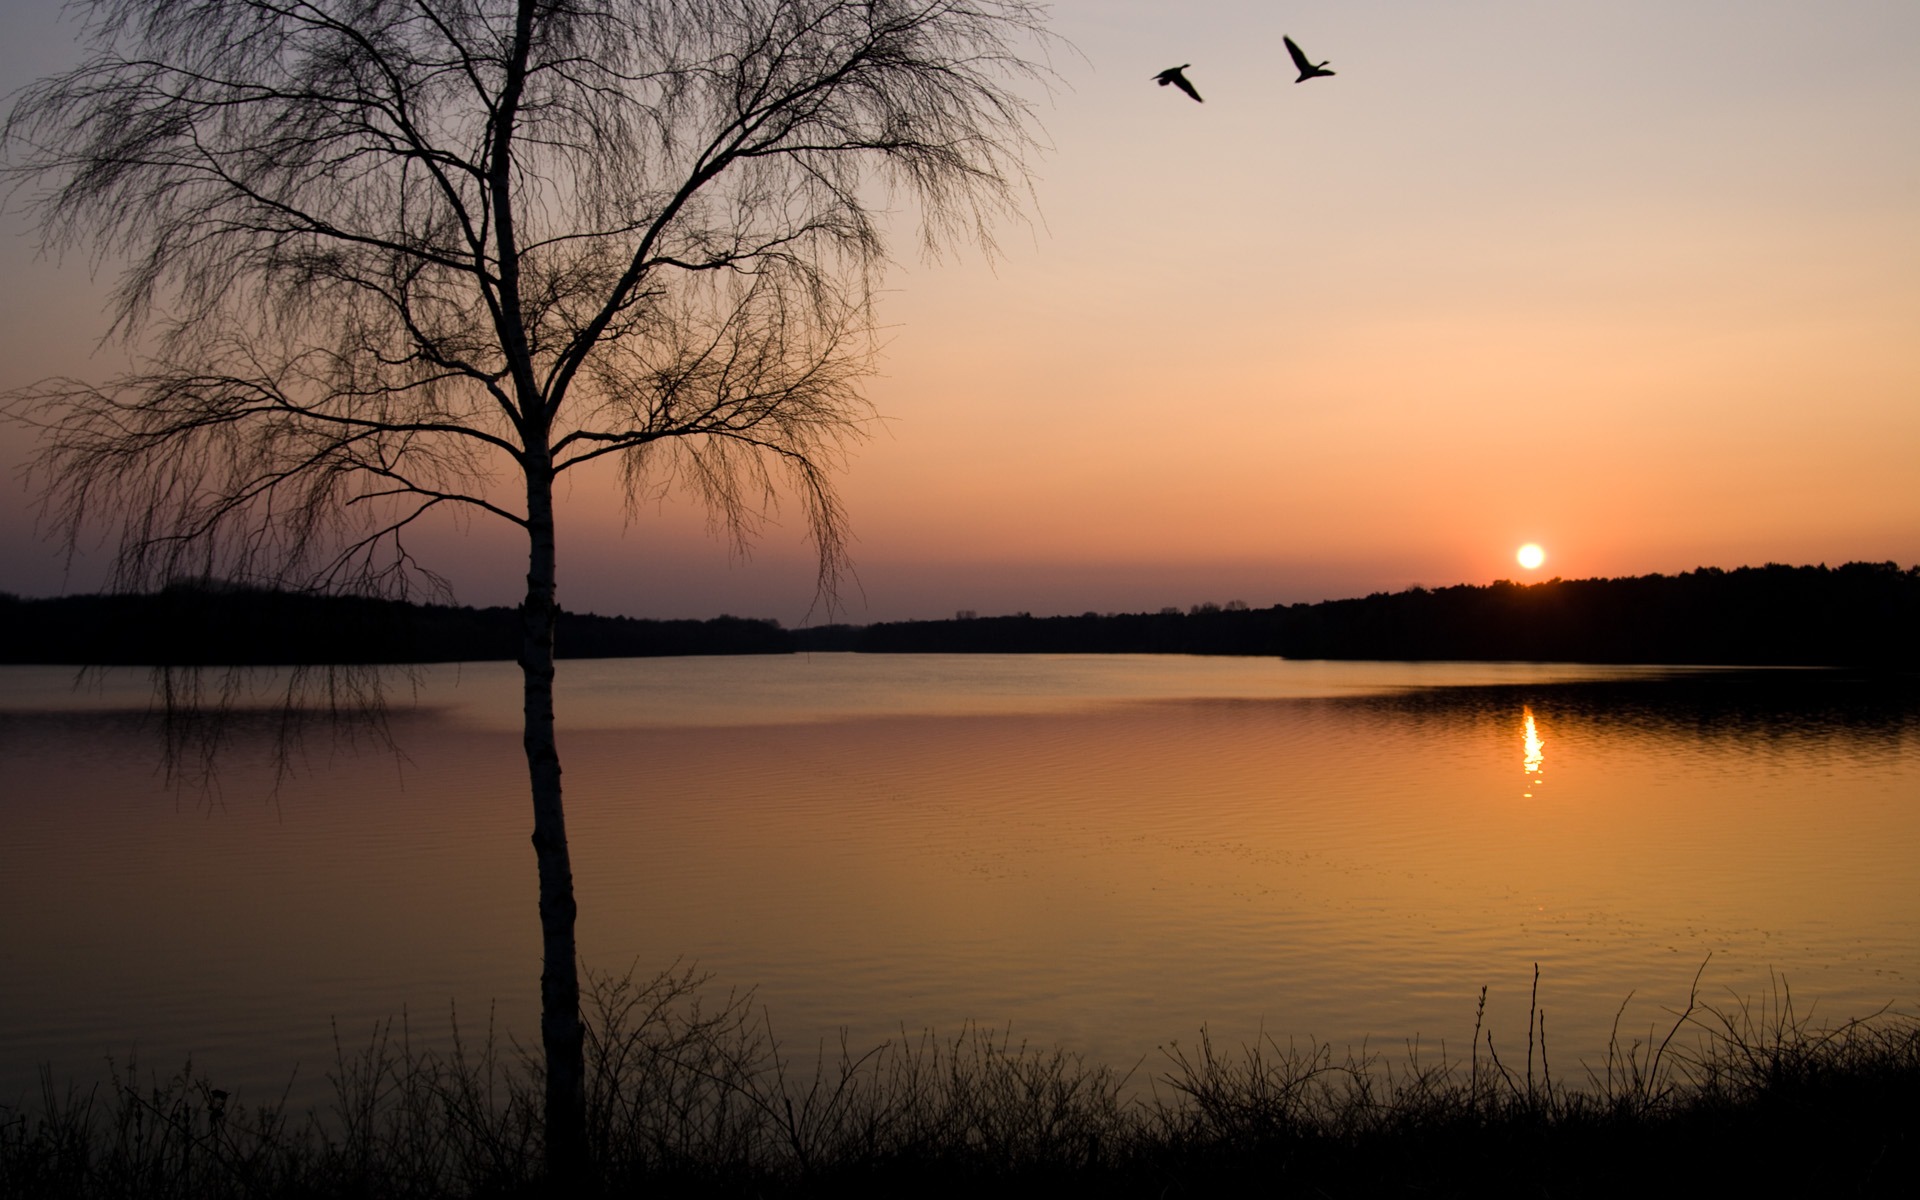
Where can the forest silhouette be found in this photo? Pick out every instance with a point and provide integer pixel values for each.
(1857, 615)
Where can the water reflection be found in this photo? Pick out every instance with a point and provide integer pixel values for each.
(1531, 756)
(1150, 846)
(1708, 708)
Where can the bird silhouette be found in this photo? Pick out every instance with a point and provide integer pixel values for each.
(1307, 70)
(1173, 76)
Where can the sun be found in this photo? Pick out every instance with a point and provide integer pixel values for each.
(1531, 556)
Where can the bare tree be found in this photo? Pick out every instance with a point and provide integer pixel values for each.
(385, 257)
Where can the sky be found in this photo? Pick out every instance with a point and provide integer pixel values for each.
(1638, 282)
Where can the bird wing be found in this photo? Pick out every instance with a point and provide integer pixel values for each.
(1180, 81)
(1299, 55)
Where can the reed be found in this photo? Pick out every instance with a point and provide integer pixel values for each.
(691, 1094)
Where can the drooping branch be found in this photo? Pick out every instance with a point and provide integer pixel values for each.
(227, 476)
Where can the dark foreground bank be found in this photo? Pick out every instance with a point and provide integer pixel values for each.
(695, 1101)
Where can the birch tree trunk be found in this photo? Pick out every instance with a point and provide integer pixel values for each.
(562, 1036)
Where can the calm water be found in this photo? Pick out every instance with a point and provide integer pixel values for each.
(1101, 853)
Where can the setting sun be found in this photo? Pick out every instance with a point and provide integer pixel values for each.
(1531, 556)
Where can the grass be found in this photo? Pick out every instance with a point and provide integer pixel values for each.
(690, 1095)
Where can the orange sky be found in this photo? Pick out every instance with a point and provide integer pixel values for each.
(1639, 282)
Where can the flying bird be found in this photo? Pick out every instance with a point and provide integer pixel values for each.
(1173, 76)
(1307, 69)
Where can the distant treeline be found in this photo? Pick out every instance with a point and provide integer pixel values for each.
(192, 625)
(1860, 614)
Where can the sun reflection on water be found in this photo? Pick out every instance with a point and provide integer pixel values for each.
(1534, 755)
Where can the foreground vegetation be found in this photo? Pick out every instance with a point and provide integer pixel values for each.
(689, 1096)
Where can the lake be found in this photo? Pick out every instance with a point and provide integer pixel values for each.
(1103, 853)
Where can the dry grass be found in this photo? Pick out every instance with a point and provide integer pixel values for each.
(691, 1095)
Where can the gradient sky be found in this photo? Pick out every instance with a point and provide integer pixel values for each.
(1637, 281)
